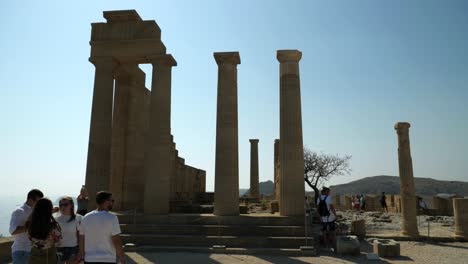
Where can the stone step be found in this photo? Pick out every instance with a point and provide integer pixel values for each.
(215, 230)
(311, 251)
(209, 241)
(210, 219)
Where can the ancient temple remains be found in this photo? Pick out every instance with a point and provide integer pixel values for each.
(127, 120)
(131, 149)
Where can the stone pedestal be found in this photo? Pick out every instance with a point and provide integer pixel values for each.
(99, 147)
(358, 227)
(386, 248)
(254, 179)
(291, 146)
(409, 224)
(460, 208)
(158, 165)
(348, 245)
(226, 197)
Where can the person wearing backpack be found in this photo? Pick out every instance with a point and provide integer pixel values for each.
(327, 214)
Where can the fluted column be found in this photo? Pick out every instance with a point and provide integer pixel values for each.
(226, 198)
(409, 225)
(291, 147)
(276, 169)
(158, 166)
(99, 146)
(254, 180)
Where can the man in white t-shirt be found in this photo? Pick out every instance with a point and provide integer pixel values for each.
(99, 234)
(22, 245)
(327, 214)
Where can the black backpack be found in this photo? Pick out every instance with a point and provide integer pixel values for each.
(322, 207)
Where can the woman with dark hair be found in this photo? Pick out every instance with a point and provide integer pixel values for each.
(43, 232)
(70, 224)
(82, 201)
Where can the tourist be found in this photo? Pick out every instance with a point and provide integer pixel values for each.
(44, 232)
(383, 202)
(70, 225)
(99, 233)
(362, 203)
(21, 245)
(356, 202)
(327, 214)
(422, 205)
(82, 201)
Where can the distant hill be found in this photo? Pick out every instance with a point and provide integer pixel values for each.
(391, 185)
(266, 188)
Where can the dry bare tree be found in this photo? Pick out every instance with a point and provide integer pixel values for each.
(320, 167)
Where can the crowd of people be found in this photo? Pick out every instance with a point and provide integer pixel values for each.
(47, 235)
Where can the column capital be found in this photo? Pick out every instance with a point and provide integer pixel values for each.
(402, 126)
(288, 56)
(227, 57)
(164, 59)
(254, 140)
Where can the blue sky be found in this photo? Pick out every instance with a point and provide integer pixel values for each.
(365, 66)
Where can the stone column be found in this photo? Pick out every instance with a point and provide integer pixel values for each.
(254, 181)
(158, 166)
(291, 147)
(276, 165)
(99, 146)
(226, 197)
(460, 213)
(123, 82)
(409, 225)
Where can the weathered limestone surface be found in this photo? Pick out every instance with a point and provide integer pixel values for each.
(99, 147)
(409, 225)
(291, 145)
(158, 165)
(254, 178)
(460, 208)
(227, 150)
(386, 248)
(276, 169)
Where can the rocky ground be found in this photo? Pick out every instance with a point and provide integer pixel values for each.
(380, 223)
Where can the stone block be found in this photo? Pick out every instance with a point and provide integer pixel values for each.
(358, 227)
(386, 247)
(243, 209)
(274, 205)
(348, 245)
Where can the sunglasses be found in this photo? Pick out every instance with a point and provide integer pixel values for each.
(64, 205)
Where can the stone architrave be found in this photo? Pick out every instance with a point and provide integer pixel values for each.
(99, 146)
(276, 169)
(292, 191)
(409, 224)
(254, 178)
(158, 165)
(460, 213)
(226, 197)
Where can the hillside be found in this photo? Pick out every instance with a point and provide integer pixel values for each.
(391, 185)
(266, 188)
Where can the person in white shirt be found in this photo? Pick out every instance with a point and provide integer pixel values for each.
(327, 214)
(99, 233)
(21, 247)
(70, 224)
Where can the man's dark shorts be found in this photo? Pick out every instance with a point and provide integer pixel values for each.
(328, 226)
(67, 253)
